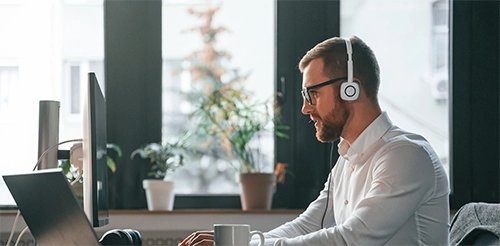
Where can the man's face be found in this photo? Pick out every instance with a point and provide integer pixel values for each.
(327, 110)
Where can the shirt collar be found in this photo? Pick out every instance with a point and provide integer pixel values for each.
(372, 133)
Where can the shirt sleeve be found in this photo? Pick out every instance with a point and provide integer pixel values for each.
(307, 222)
(403, 179)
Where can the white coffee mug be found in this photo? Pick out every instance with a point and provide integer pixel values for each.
(234, 235)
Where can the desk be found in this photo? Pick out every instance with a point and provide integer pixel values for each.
(168, 227)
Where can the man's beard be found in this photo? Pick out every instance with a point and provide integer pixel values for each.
(333, 124)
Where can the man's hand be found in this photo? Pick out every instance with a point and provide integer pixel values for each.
(199, 238)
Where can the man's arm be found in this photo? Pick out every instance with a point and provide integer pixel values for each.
(403, 179)
(307, 222)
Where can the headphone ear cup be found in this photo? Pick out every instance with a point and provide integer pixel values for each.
(136, 236)
(349, 91)
(116, 237)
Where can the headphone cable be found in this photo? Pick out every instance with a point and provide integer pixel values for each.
(328, 191)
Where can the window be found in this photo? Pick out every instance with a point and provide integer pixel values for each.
(301, 25)
(411, 44)
(247, 35)
(9, 80)
(440, 56)
(9, 93)
(75, 75)
(46, 49)
(45, 52)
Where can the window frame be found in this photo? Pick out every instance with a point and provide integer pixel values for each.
(474, 164)
(474, 107)
(124, 67)
(84, 66)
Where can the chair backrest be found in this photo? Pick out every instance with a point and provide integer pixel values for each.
(476, 223)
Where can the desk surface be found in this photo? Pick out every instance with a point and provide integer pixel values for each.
(185, 211)
(178, 220)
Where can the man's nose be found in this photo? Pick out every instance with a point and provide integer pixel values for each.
(306, 107)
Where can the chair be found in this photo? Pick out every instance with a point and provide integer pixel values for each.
(476, 223)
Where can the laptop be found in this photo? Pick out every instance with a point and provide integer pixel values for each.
(50, 208)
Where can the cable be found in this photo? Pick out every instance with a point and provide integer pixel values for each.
(80, 173)
(34, 168)
(13, 227)
(328, 191)
(21, 235)
(53, 146)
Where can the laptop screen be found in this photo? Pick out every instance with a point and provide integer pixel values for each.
(50, 208)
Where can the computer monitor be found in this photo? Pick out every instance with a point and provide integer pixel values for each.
(95, 170)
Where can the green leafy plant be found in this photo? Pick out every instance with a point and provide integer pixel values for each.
(72, 173)
(231, 115)
(224, 110)
(166, 157)
(110, 162)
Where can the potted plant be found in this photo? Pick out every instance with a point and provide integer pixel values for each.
(226, 111)
(165, 157)
(73, 167)
(231, 115)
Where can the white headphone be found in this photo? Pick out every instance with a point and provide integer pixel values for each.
(349, 90)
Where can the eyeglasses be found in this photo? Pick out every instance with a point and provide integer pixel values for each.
(305, 90)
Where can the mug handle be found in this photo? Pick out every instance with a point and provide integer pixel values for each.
(260, 235)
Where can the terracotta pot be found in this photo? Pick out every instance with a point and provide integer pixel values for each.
(257, 190)
(159, 194)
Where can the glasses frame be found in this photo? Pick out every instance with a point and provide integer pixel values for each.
(305, 90)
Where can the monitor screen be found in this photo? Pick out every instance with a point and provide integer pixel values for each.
(95, 170)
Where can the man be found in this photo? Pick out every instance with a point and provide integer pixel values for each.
(388, 186)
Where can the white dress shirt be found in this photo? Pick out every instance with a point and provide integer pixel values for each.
(387, 188)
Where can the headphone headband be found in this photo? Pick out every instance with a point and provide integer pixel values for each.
(349, 90)
(349, 59)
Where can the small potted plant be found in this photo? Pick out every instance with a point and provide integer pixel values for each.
(165, 157)
(73, 167)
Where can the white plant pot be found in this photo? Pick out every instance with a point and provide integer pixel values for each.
(159, 194)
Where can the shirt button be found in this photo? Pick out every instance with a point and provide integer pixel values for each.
(352, 168)
(346, 202)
